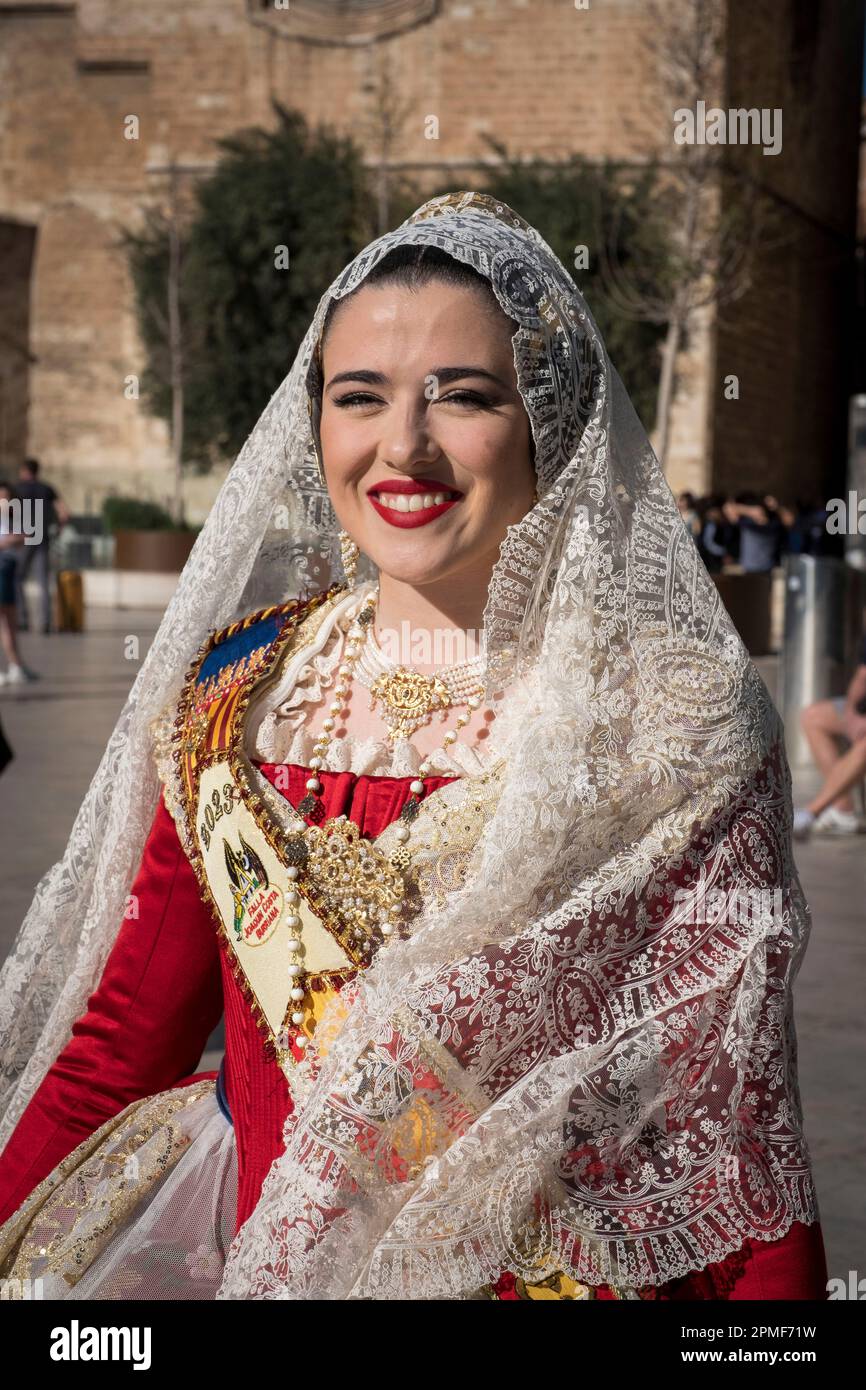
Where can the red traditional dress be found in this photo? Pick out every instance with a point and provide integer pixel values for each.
(169, 977)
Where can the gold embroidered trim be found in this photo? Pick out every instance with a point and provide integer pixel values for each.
(74, 1212)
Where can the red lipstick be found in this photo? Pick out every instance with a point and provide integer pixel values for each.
(412, 487)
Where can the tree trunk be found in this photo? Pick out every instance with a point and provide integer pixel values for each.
(677, 322)
(664, 409)
(175, 343)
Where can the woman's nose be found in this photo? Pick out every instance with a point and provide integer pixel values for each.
(406, 437)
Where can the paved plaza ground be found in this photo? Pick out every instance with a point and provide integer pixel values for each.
(58, 728)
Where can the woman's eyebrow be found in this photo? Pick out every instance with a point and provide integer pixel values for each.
(442, 374)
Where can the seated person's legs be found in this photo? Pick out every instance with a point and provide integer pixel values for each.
(823, 725)
(833, 808)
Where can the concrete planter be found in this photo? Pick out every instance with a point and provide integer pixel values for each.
(110, 588)
(163, 552)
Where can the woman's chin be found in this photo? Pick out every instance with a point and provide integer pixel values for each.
(410, 573)
(421, 566)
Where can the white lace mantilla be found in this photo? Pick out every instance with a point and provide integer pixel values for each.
(574, 1062)
(278, 731)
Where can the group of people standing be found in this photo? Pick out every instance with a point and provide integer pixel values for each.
(29, 509)
(754, 531)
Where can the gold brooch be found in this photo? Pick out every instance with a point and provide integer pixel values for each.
(359, 883)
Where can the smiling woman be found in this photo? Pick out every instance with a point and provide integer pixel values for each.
(418, 395)
(478, 1045)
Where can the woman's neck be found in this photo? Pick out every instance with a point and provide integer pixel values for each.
(434, 625)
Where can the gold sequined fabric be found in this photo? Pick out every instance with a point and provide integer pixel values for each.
(145, 1207)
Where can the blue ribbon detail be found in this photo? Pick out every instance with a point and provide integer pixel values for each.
(222, 1098)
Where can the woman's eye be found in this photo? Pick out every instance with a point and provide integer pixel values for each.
(463, 398)
(473, 398)
(355, 398)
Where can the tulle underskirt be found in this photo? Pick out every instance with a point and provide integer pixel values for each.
(144, 1209)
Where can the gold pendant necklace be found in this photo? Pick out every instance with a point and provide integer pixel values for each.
(408, 700)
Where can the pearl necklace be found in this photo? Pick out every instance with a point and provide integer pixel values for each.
(355, 641)
(461, 680)
(408, 698)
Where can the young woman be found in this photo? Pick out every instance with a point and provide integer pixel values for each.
(505, 941)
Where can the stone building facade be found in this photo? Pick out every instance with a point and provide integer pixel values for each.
(546, 77)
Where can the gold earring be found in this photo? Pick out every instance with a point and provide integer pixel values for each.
(349, 553)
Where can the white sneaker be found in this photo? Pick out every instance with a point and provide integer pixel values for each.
(20, 675)
(836, 822)
(803, 824)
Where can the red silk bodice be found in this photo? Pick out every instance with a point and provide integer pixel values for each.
(166, 983)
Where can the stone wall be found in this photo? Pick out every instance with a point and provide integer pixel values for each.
(789, 340)
(543, 76)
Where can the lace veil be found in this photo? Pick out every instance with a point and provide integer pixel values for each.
(586, 1059)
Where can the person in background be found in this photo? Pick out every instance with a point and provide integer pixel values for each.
(825, 723)
(32, 489)
(715, 538)
(809, 534)
(688, 510)
(11, 543)
(761, 532)
(780, 515)
(6, 754)
(731, 517)
(788, 517)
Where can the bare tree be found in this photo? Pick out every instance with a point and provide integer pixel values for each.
(175, 341)
(387, 118)
(711, 215)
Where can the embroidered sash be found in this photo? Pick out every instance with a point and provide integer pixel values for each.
(243, 837)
